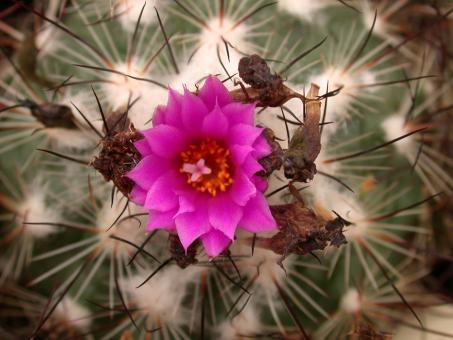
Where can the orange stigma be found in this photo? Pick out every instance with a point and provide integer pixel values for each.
(208, 167)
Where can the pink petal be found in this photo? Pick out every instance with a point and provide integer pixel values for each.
(262, 148)
(148, 170)
(214, 91)
(138, 195)
(257, 216)
(192, 225)
(193, 112)
(238, 113)
(251, 166)
(161, 195)
(214, 242)
(239, 153)
(166, 141)
(143, 147)
(159, 115)
(161, 220)
(173, 109)
(187, 201)
(215, 124)
(260, 183)
(242, 189)
(243, 134)
(224, 215)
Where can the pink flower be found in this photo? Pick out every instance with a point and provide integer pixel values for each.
(197, 175)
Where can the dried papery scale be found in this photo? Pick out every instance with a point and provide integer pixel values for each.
(266, 89)
(275, 160)
(302, 232)
(305, 144)
(118, 154)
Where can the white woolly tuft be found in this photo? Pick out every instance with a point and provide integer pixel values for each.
(205, 60)
(70, 139)
(82, 138)
(339, 106)
(351, 302)
(73, 313)
(236, 36)
(46, 39)
(246, 323)
(304, 9)
(128, 229)
(425, 159)
(328, 196)
(128, 12)
(380, 28)
(48, 36)
(266, 261)
(34, 209)
(161, 297)
(119, 89)
(383, 28)
(395, 126)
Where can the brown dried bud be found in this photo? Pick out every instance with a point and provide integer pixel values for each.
(305, 145)
(301, 231)
(266, 89)
(51, 115)
(182, 258)
(255, 72)
(275, 160)
(118, 154)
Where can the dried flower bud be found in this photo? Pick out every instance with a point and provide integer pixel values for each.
(51, 115)
(118, 154)
(273, 161)
(305, 145)
(301, 231)
(266, 89)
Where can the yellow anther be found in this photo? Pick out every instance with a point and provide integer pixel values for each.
(216, 158)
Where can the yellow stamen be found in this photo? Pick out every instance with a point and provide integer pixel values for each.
(217, 158)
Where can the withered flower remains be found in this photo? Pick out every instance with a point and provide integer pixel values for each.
(198, 172)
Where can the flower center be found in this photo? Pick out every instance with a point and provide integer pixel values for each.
(207, 164)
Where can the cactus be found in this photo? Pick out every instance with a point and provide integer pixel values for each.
(338, 232)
